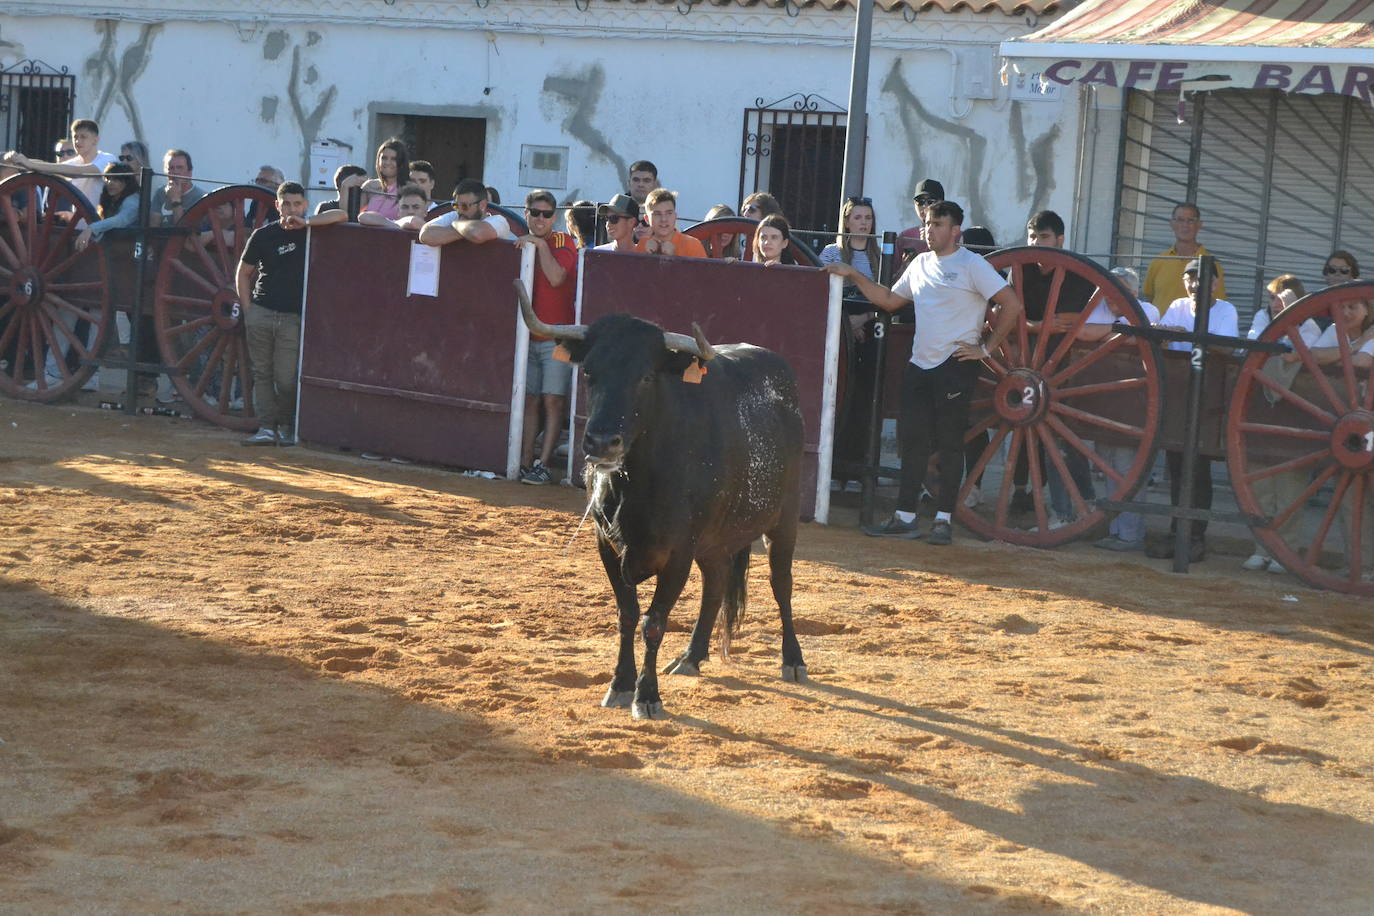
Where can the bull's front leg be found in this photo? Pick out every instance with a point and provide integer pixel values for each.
(647, 703)
(622, 689)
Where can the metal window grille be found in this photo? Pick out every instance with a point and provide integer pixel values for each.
(35, 107)
(794, 149)
(1281, 179)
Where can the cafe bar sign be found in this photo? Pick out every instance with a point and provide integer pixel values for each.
(1175, 75)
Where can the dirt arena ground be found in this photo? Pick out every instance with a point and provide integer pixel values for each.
(238, 680)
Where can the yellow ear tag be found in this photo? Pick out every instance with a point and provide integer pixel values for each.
(694, 372)
(561, 354)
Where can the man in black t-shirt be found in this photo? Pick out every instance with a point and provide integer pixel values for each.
(1046, 229)
(271, 285)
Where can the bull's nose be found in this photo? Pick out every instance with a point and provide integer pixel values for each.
(605, 446)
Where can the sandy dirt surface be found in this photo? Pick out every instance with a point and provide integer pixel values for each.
(237, 680)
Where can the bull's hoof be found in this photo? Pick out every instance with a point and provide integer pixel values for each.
(647, 710)
(618, 698)
(795, 674)
(683, 665)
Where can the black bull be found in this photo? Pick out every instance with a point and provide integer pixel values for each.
(679, 472)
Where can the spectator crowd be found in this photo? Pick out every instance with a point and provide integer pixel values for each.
(964, 309)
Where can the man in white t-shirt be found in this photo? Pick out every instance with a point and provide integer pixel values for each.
(468, 219)
(950, 288)
(1180, 316)
(83, 169)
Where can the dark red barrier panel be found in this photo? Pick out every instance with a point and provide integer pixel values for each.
(784, 309)
(415, 376)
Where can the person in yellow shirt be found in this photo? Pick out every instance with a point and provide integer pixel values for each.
(1164, 279)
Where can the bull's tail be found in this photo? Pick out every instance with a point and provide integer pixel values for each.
(736, 599)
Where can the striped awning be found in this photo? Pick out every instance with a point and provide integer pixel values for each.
(1308, 46)
(1008, 7)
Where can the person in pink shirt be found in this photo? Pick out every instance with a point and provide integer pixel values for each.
(379, 193)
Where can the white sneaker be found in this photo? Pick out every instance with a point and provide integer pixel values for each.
(974, 499)
(1256, 562)
(166, 394)
(1277, 568)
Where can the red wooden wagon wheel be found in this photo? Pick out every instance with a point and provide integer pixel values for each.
(1289, 443)
(710, 233)
(196, 309)
(1053, 401)
(55, 312)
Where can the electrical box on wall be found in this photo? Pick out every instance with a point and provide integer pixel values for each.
(543, 166)
(977, 72)
(325, 157)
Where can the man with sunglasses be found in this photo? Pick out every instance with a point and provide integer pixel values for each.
(1164, 279)
(621, 215)
(468, 219)
(547, 378)
(911, 242)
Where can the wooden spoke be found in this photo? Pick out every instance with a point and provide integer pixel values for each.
(58, 246)
(1091, 454)
(62, 303)
(1286, 467)
(1018, 282)
(1083, 416)
(1056, 457)
(1037, 482)
(76, 287)
(1125, 384)
(1295, 399)
(10, 333)
(1071, 335)
(1287, 432)
(1309, 362)
(1317, 483)
(1354, 539)
(74, 341)
(194, 277)
(21, 247)
(54, 347)
(1042, 339)
(40, 374)
(191, 302)
(221, 342)
(1099, 353)
(203, 321)
(1005, 490)
(189, 357)
(1314, 550)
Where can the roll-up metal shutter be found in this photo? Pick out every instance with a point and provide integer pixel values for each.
(1282, 180)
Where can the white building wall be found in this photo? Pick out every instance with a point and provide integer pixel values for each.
(241, 84)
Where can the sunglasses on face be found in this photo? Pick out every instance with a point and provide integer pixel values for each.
(859, 201)
(66, 152)
(612, 218)
(542, 214)
(925, 201)
(125, 157)
(1329, 270)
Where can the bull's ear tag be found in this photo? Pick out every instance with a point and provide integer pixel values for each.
(694, 372)
(562, 354)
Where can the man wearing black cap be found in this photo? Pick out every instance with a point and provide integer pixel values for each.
(911, 242)
(1222, 319)
(621, 216)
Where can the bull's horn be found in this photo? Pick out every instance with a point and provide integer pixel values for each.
(696, 345)
(539, 328)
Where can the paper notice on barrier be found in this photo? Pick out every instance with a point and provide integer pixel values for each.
(424, 270)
